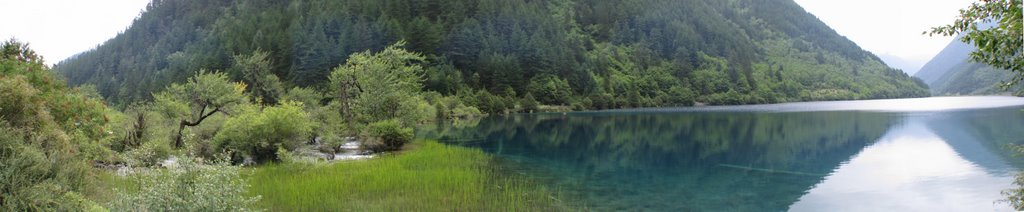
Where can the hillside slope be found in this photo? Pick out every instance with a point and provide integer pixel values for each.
(584, 53)
(951, 73)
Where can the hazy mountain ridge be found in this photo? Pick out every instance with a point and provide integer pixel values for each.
(952, 73)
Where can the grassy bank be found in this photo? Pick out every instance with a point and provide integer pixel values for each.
(427, 177)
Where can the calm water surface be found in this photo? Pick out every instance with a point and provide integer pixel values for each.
(930, 154)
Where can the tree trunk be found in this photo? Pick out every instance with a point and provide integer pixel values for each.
(181, 126)
(346, 110)
(134, 138)
(177, 139)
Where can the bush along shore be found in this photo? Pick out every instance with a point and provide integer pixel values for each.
(222, 143)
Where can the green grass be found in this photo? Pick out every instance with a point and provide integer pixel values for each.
(428, 177)
(102, 184)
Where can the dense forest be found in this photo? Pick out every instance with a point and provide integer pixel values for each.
(500, 55)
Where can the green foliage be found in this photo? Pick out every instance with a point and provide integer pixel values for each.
(382, 86)
(35, 99)
(1015, 196)
(584, 53)
(490, 103)
(141, 135)
(149, 154)
(44, 127)
(550, 90)
(204, 95)
(679, 95)
(528, 103)
(208, 92)
(255, 70)
(34, 181)
(308, 97)
(188, 186)
(1000, 46)
(387, 135)
(451, 107)
(259, 134)
(429, 177)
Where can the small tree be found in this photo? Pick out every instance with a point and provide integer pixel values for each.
(387, 135)
(202, 96)
(381, 86)
(260, 134)
(255, 70)
(528, 103)
(550, 89)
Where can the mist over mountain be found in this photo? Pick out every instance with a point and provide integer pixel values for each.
(908, 66)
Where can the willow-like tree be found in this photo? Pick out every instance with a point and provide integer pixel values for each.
(1002, 44)
(202, 96)
(381, 86)
(256, 72)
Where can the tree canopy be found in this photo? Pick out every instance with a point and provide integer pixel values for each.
(595, 54)
(204, 95)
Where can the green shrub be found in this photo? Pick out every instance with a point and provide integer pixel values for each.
(330, 127)
(32, 181)
(550, 89)
(528, 103)
(188, 186)
(383, 85)
(258, 134)
(452, 107)
(42, 124)
(463, 111)
(489, 103)
(150, 153)
(309, 97)
(679, 95)
(386, 135)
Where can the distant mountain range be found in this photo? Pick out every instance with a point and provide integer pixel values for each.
(951, 73)
(908, 66)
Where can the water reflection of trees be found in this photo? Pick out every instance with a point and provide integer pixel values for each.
(674, 161)
(982, 136)
(623, 140)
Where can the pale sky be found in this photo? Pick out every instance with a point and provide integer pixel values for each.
(58, 29)
(890, 27)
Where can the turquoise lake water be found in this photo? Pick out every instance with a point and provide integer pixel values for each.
(928, 154)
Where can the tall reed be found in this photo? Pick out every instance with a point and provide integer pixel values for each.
(428, 177)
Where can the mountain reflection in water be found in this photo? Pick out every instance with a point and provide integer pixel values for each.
(764, 158)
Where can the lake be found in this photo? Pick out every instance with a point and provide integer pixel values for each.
(927, 154)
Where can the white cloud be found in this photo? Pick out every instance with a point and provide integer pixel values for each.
(58, 29)
(891, 27)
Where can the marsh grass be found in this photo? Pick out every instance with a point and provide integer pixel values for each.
(104, 182)
(427, 177)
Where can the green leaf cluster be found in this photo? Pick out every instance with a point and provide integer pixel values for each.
(259, 133)
(49, 134)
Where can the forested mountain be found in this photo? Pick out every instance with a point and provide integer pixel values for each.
(584, 53)
(950, 73)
